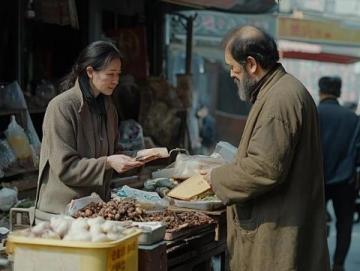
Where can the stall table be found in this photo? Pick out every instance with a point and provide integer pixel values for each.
(191, 250)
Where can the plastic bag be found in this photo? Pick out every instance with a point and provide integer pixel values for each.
(147, 200)
(7, 156)
(32, 135)
(77, 204)
(18, 140)
(8, 198)
(13, 97)
(226, 150)
(187, 166)
(131, 136)
(35, 156)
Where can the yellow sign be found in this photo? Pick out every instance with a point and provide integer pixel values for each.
(329, 31)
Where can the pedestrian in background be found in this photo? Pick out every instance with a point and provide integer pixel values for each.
(274, 189)
(339, 134)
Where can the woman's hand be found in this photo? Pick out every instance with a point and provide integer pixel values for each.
(121, 163)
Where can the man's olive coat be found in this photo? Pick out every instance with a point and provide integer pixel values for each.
(74, 147)
(275, 189)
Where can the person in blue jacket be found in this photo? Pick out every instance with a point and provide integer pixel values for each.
(339, 134)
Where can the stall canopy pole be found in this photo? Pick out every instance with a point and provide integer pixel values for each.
(189, 38)
(20, 42)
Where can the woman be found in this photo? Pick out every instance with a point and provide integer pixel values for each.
(80, 132)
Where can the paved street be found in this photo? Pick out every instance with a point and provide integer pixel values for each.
(353, 258)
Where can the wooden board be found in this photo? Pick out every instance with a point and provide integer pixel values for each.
(190, 188)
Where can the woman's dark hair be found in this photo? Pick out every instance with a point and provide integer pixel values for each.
(251, 41)
(330, 85)
(98, 55)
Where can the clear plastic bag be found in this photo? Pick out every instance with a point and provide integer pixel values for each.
(131, 136)
(8, 198)
(226, 150)
(187, 166)
(35, 156)
(77, 204)
(32, 135)
(148, 200)
(14, 99)
(7, 156)
(18, 140)
(13, 96)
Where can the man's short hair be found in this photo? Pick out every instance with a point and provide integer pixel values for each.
(259, 45)
(330, 85)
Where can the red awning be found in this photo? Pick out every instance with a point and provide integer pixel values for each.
(323, 57)
(318, 52)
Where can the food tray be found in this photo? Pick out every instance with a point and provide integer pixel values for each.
(152, 232)
(200, 204)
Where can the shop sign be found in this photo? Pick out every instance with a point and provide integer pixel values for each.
(326, 31)
(216, 24)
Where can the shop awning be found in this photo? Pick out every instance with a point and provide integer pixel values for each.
(234, 6)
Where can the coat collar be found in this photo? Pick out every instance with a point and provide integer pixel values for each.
(329, 101)
(270, 80)
(79, 94)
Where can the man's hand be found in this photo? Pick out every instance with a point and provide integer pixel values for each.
(121, 163)
(206, 174)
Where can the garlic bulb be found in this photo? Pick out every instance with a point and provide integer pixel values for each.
(49, 234)
(95, 221)
(60, 225)
(99, 238)
(80, 235)
(81, 229)
(40, 228)
(108, 226)
(96, 229)
(79, 224)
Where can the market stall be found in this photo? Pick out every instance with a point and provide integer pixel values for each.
(173, 221)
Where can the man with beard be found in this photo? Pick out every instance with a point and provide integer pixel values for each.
(274, 189)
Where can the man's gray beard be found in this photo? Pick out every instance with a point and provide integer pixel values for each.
(245, 88)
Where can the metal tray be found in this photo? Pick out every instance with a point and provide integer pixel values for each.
(152, 232)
